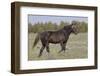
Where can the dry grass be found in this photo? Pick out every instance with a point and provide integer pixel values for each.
(77, 48)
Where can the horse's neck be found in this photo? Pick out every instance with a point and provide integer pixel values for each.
(67, 32)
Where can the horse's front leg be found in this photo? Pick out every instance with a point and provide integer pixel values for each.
(62, 47)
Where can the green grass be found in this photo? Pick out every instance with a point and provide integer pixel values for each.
(77, 48)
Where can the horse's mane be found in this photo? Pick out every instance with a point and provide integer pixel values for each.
(67, 26)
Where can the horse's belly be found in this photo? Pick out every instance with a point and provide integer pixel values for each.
(55, 42)
(56, 39)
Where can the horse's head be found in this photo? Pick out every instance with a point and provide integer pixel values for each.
(75, 27)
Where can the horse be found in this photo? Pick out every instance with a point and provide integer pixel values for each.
(60, 36)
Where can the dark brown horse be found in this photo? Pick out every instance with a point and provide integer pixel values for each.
(61, 36)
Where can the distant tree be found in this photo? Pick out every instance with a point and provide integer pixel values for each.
(30, 27)
(84, 27)
(55, 26)
(40, 27)
(62, 24)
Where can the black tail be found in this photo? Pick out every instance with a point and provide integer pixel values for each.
(36, 40)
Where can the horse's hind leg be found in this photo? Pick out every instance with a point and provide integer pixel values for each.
(64, 47)
(41, 50)
(47, 48)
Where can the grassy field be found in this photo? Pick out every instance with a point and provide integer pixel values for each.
(77, 48)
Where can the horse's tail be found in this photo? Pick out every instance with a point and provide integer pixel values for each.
(36, 40)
